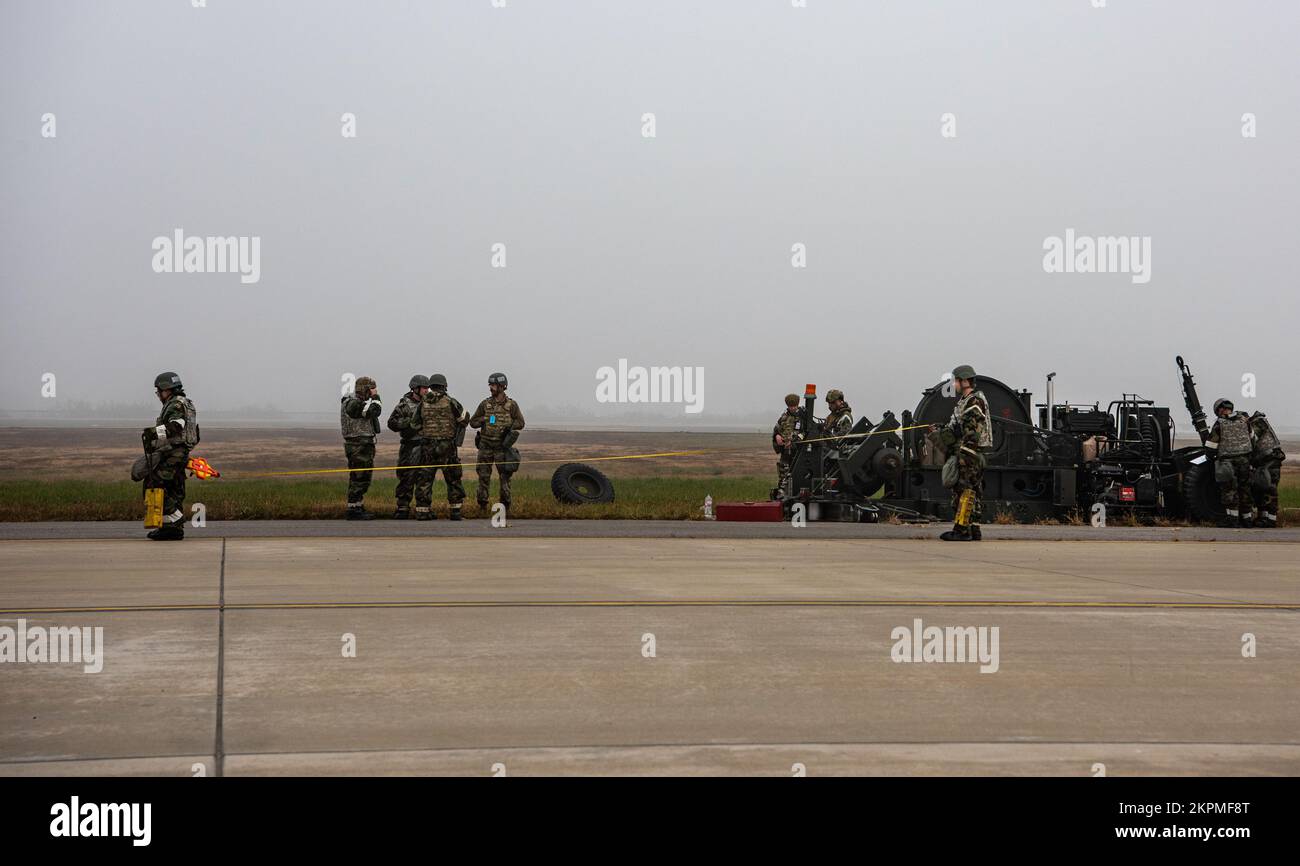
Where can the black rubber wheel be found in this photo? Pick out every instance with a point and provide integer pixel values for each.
(1201, 493)
(580, 484)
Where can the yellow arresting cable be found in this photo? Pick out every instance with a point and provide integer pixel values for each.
(694, 453)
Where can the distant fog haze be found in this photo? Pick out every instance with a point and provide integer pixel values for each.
(854, 194)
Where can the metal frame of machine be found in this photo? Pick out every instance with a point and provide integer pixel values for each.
(1060, 465)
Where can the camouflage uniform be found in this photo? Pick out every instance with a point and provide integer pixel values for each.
(1232, 440)
(359, 419)
(840, 421)
(1266, 456)
(494, 418)
(969, 432)
(175, 432)
(439, 419)
(785, 428)
(410, 453)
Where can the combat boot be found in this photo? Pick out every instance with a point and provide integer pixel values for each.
(402, 513)
(358, 512)
(957, 533)
(976, 534)
(425, 513)
(455, 513)
(167, 532)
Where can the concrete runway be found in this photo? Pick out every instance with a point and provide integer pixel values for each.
(526, 652)
(384, 528)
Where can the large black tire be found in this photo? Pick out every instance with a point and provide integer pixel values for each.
(580, 484)
(1201, 493)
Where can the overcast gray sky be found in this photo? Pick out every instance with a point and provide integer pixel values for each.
(522, 125)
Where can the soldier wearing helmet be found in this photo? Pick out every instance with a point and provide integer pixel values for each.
(359, 418)
(409, 449)
(498, 420)
(840, 420)
(1232, 441)
(964, 439)
(441, 422)
(783, 436)
(168, 443)
(1266, 457)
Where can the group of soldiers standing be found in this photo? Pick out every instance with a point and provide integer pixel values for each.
(964, 438)
(431, 426)
(837, 423)
(1248, 454)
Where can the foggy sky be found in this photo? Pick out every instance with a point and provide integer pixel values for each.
(522, 125)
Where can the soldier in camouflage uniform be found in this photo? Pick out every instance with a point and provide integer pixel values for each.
(840, 420)
(967, 434)
(1232, 441)
(1267, 458)
(168, 443)
(498, 420)
(441, 421)
(783, 435)
(359, 417)
(409, 451)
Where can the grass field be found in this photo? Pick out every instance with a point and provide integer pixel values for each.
(81, 474)
(297, 499)
(677, 498)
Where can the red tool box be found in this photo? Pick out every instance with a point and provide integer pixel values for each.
(755, 512)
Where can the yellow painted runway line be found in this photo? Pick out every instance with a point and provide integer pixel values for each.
(591, 603)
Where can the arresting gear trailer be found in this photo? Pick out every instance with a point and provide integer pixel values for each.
(1060, 464)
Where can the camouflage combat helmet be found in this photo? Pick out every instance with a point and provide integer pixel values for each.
(437, 380)
(164, 381)
(834, 394)
(1221, 403)
(418, 381)
(498, 379)
(792, 399)
(965, 371)
(364, 384)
